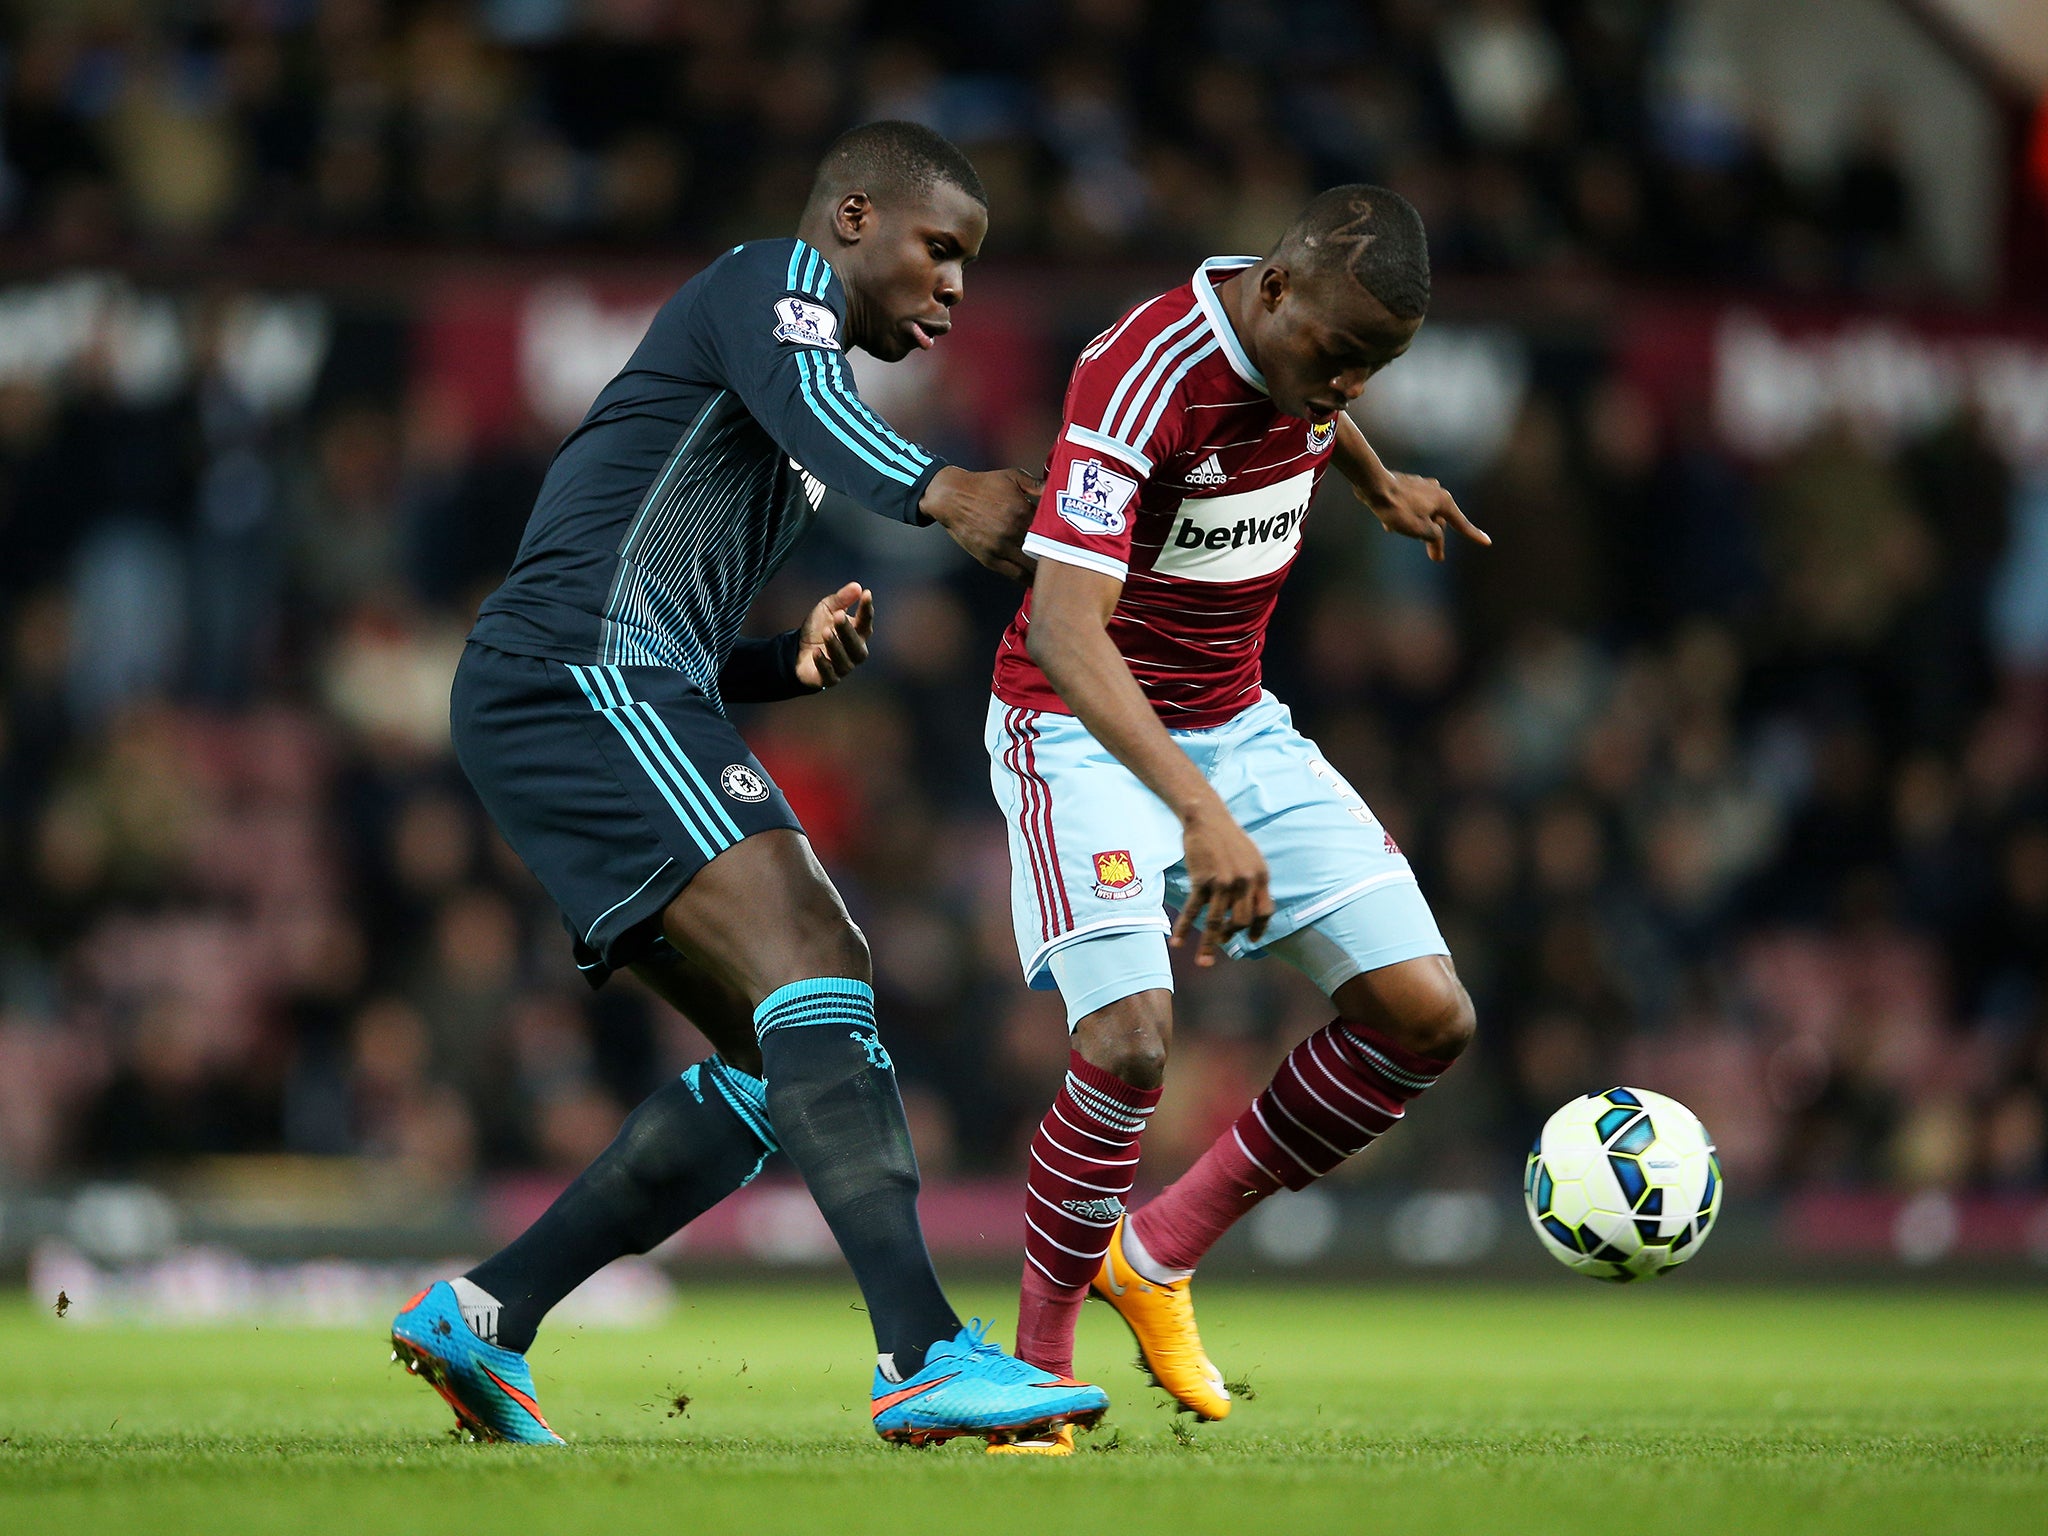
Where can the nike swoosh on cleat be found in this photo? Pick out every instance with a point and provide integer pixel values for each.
(904, 1395)
(517, 1396)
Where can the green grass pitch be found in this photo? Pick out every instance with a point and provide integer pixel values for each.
(1551, 1409)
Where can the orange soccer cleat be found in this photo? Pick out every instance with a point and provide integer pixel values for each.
(1161, 1317)
(1058, 1443)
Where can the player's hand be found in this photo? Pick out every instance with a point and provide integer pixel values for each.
(1228, 884)
(986, 514)
(834, 637)
(1421, 509)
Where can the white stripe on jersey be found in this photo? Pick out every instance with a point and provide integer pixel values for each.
(1067, 554)
(1172, 335)
(1107, 339)
(1195, 341)
(1144, 433)
(1109, 445)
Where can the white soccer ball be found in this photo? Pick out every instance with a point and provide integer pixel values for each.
(1623, 1185)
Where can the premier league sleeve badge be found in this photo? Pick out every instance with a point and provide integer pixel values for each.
(1095, 498)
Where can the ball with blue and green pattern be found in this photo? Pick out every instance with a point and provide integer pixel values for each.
(1623, 1185)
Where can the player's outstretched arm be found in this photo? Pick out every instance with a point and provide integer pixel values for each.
(1412, 505)
(1069, 639)
(986, 514)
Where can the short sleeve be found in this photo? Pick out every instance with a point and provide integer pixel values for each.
(1122, 417)
(1086, 514)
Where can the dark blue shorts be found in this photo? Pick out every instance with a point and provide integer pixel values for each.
(615, 785)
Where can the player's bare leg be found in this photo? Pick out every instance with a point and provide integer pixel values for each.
(762, 917)
(720, 1012)
(1418, 1004)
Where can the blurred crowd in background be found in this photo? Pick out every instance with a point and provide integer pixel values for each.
(1721, 772)
(1535, 137)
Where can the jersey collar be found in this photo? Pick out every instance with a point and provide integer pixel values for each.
(1219, 322)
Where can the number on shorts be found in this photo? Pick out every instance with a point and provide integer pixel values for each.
(1347, 797)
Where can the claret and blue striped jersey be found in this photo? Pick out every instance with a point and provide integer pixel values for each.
(1176, 474)
(696, 472)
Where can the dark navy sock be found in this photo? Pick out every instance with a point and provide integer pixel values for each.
(681, 1152)
(833, 1100)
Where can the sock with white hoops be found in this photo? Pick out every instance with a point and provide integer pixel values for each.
(1083, 1162)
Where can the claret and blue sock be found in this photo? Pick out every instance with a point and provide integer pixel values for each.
(1335, 1094)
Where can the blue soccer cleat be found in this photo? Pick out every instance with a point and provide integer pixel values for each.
(490, 1388)
(970, 1387)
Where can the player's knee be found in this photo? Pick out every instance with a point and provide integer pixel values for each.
(849, 947)
(1418, 1004)
(1137, 1058)
(742, 1055)
(1128, 1039)
(832, 945)
(1441, 1021)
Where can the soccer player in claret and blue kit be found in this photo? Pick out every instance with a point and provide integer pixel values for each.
(1141, 764)
(589, 713)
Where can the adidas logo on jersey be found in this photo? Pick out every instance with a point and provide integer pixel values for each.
(1207, 473)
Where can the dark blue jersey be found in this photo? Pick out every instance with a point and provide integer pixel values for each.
(697, 471)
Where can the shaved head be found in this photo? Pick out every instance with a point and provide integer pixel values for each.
(1338, 299)
(1367, 236)
(894, 163)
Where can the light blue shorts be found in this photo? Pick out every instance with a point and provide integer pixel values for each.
(1095, 856)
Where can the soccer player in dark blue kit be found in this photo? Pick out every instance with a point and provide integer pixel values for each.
(588, 712)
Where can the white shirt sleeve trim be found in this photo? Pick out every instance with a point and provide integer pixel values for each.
(1066, 554)
(1110, 446)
